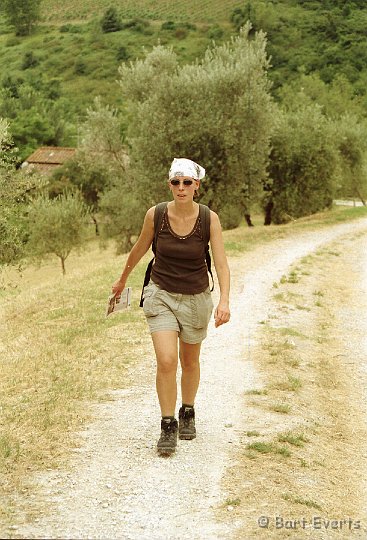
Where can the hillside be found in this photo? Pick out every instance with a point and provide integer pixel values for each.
(68, 60)
(185, 10)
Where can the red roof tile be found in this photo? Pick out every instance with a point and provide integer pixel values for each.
(53, 155)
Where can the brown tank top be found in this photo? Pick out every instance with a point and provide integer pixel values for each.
(179, 265)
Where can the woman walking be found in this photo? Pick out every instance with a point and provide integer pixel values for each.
(177, 300)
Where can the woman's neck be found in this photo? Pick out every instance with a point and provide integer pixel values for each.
(184, 209)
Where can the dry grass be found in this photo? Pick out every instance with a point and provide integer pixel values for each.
(323, 434)
(58, 352)
(243, 239)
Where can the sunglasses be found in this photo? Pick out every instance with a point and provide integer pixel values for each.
(175, 182)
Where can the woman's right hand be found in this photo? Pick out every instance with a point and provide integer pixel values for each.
(118, 286)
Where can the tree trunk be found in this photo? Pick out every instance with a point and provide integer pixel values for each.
(96, 225)
(248, 220)
(63, 265)
(268, 210)
(360, 196)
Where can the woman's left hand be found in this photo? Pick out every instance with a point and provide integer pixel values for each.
(222, 314)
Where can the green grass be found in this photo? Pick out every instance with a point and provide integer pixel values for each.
(318, 293)
(233, 502)
(268, 448)
(256, 392)
(302, 308)
(253, 433)
(291, 384)
(287, 331)
(293, 277)
(282, 408)
(301, 500)
(294, 440)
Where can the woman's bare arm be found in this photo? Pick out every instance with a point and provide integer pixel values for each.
(139, 249)
(222, 312)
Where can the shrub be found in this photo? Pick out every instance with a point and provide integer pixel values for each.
(12, 41)
(168, 25)
(29, 60)
(73, 29)
(215, 32)
(111, 21)
(138, 25)
(188, 26)
(181, 33)
(80, 67)
(122, 54)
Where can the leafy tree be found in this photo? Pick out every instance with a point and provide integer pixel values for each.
(90, 177)
(122, 211)
(10, 239)
(16, 191)
(22, 15)
(218, 112)
(303, 165)
(102, 136)
(111, 21)
(351, 137)
(35, 119)
(29, 60)
(56, 226)
(101, 158)
(334, 98)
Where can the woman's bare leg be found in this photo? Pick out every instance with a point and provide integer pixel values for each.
(190, 378)
(165, 345)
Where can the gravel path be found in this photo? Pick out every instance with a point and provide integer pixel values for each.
(117, 487)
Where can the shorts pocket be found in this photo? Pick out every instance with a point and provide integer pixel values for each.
(149, 300)
(201, 307)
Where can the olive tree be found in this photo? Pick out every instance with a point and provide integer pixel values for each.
(101, 158)
(22, 14)
(56, 226)
(16, 191)
(217, 111)
(303, 165)
(351, 137)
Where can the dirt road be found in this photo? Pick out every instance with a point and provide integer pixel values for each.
(117, 487)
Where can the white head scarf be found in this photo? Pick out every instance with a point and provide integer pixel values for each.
(186, 167)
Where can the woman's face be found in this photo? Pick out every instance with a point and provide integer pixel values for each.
(182, 191)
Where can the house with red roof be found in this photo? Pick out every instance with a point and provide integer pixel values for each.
(48, 158)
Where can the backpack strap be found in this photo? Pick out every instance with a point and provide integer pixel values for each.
(204, 213)
(158, 218)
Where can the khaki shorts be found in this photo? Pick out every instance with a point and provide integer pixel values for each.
(188, 314)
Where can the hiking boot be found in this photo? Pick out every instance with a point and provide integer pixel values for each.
(186, 418)
(168, 440)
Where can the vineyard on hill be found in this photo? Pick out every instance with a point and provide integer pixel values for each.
(185, 10)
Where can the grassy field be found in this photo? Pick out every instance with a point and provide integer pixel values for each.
(59, 352)
(186, 10)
